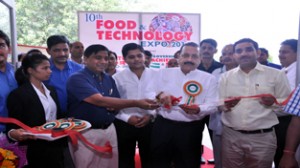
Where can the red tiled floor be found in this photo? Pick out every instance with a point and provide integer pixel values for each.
(208, 154)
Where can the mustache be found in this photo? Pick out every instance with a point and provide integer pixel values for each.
(244, 57)
(188, 63)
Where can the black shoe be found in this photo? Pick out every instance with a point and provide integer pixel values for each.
(211, 161)
(203, 161)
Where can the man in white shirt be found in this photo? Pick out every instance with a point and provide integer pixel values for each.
(248, 137)
(215, 123)
(134, 125)
(177, 131)
(288, 60)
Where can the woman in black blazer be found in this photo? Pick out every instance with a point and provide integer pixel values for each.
(34, 104)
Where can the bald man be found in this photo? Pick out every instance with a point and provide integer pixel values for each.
(76, 50)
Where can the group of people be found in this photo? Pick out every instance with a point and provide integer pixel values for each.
(243, 116)
(162, 112)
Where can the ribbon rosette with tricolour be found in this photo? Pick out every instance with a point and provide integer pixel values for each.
(192, 89)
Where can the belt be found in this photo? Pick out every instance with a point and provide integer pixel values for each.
(196, 122)
(260, 131)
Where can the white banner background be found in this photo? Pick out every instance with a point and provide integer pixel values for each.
(161, 33)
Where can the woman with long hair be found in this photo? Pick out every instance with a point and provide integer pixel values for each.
(34, 104)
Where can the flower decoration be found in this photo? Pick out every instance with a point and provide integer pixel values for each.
(8, 159)
(12, 155)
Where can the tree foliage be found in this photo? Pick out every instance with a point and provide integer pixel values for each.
(38, 19)
(4, 21)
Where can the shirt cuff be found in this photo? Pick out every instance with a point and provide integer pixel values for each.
(208, 109)
(152, 112)
(123, 116)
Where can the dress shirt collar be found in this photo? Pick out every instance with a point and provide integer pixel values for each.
(290, 67)
(93, 74)
(188, 74)
(67, 65)
(258, 67)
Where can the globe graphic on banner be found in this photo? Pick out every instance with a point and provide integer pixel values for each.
(170, 25)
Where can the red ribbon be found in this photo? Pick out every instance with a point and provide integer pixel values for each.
(74, 135)
(262, 95)
(174, 101)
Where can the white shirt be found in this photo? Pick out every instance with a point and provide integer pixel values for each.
(290, 72)
(131, 87)
(172, 80)
(47, 102)
(118, 70)
(219, 71)
(215, 123)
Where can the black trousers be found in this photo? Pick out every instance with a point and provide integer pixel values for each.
(281, 130)
(128, 136)
(45, 154)
(176, 143)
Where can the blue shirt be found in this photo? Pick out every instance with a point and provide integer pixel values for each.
(58, 79)
(293, 106)
(84, 84)
(7, 84)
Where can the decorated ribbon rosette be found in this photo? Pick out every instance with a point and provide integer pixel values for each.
(57, 129)
(53, 130)
(65, 124)
(192, 89)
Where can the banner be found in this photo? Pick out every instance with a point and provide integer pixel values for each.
(161, 33)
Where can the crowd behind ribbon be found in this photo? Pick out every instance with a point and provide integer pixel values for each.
(161, 111)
